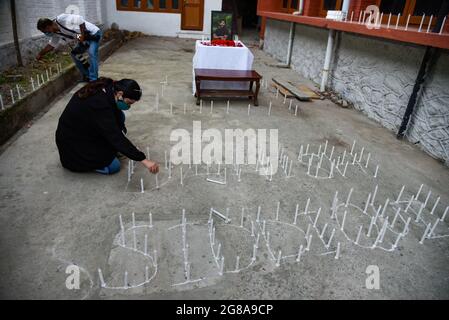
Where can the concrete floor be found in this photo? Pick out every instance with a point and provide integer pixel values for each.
(51, 218)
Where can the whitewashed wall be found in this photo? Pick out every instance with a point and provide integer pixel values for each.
(158, 24)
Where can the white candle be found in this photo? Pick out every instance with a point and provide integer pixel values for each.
(344, 220)
(430, 23)
(309, 242)
(337, 255)
(422, 22)
(181, 177)
(397, 20)
(442, 25)
(18, 92)
(12, 96)
(425, 234)
(323, 231)
(126, 279)
(330, 238)
(146, 245)
(408, 21)
(100, 274)
(316, 218)
(359, 235)
(278, 261)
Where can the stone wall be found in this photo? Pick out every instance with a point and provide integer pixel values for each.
(376, 76)
(430, 121)
(276, 39)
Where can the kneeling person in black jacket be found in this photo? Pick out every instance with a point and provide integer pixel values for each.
(91, 130)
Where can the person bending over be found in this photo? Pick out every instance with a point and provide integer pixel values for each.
(67, 28)
(91, 130)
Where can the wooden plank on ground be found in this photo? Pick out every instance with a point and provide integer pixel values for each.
(304, 88)
(300, 95)
(283, 91)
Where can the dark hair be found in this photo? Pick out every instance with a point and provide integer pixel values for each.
(43, 23)
(130, 88)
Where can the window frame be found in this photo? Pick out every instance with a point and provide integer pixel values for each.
(289, 8)
(131, 7)
(323, 12)
(409, 8)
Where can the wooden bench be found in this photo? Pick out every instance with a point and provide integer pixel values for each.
(250, 76)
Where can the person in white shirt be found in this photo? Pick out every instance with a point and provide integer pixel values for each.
(66, 28)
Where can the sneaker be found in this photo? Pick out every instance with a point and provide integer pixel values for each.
(84, 80)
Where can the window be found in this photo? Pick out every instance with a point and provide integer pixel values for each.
(393, 6)
(427, 7)
(290, 5)
(414, 8)
(329, 5)
(170, 6)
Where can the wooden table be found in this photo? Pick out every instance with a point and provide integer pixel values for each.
(250, 76)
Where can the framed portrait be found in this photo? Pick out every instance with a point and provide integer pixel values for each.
(221, 25)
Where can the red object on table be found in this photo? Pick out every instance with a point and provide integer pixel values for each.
(222, 43)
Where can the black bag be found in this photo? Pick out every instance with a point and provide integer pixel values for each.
(80, 48)
(92, 37)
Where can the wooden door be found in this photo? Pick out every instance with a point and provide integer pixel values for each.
(192, 15)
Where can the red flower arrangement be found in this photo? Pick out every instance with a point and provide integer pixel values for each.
(222, 43)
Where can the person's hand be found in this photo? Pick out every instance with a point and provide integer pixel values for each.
(152, 166)
(81, 38)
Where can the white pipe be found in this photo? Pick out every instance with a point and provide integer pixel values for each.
(345, 6)
(301, 6)
(327, 60)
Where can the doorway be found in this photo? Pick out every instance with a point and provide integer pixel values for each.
(192, 16)
(246, 21)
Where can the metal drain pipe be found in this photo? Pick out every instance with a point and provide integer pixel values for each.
(427, 64)
(290, 43)
(327, 59)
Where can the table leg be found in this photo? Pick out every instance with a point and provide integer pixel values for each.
(198, 91)
(256, 101)
(251, 85)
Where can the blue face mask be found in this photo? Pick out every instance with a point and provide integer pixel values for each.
(48, 34)
(122, 105)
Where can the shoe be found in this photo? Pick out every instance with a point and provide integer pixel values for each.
(84, 80)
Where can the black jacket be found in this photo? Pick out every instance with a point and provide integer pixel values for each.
(89, 133)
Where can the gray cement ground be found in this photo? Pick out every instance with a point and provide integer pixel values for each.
(51, 218)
